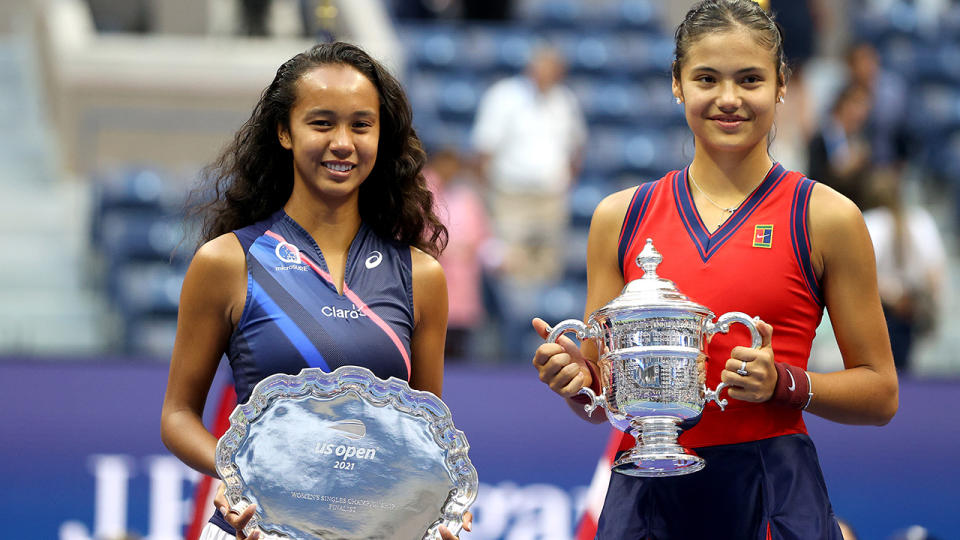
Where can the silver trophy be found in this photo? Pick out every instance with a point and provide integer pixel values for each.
(652, 342)
(346, 456)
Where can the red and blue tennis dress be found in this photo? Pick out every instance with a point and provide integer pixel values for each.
(762, 478)
(294, 317)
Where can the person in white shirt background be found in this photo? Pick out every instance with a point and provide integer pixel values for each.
(529, 134)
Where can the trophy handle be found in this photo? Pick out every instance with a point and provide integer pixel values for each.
(725, 320)
(595, 400)
(714, 395)
(583, 332)
(723, 325)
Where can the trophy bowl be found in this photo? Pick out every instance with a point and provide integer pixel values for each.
(652, 367)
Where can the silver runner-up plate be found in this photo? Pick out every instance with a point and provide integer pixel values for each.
(346, 456)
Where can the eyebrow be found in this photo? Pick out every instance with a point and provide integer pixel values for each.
(321, 112)
(738, 72)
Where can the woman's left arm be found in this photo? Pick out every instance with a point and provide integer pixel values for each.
(429, 338)
(866, 391)
(430, 323)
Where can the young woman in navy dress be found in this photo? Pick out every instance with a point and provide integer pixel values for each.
(319, 250)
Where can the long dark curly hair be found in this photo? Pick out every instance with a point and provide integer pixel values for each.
(253, 176)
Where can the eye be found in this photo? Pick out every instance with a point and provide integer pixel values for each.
(362, 124)
(320, 123)
(752, 79)
(704, 78)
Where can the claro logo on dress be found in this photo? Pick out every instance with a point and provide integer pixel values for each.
(289, 254)
(340, 313)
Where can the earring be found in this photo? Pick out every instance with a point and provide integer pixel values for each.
(679, 101)
(780, 99)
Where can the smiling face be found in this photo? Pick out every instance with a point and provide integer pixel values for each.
(334, 130)
(729, 85)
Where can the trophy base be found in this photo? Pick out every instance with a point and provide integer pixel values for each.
(654, 464)
(657, 452)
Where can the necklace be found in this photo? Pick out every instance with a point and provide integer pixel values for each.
(729, 209)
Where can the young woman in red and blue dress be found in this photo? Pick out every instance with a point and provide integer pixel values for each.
(738, 232)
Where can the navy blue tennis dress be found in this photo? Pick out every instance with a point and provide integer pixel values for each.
(294, 317)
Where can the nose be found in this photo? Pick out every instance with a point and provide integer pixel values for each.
(729, 99)
(341, 145)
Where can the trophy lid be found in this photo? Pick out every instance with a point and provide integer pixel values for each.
(651, 290)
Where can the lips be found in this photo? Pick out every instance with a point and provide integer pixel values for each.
(728, 121)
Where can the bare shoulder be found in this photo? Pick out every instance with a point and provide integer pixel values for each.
(612, 209)
(832, 214)
(829, 209)
(217, 277)
(429, 288)
(836, 225)
(223, 255)
(426, 269)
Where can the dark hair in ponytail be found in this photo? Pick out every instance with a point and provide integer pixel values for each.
(710, 16)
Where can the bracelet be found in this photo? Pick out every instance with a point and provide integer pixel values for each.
(809, 390)
(793, 389)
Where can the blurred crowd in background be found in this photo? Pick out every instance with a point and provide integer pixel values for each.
(531, 112)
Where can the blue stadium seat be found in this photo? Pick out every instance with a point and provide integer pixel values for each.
(148, 288)
(595, 53)
(139, 234)
(948, 62)
(131, 188)
(639, 15)
(564, 300)
(584, 198)
(604, 154)
(423, 89)
(555, 14)
(640, 150)
(458, 97)
(938, 109)
(150, 336)
(652, 152)
(575, 255)
(514, 49)
(617, 101)
(436, 47)
(949, 162)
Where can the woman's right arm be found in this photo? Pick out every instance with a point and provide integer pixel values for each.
(210, 302)
(562, 366)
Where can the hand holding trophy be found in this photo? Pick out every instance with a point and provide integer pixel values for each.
(652, 371)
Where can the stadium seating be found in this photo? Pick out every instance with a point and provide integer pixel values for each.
(143, 242)
(619, 59)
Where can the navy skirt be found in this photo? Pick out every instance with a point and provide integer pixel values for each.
(745, 490)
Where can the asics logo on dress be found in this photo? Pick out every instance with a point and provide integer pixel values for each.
(373, 260)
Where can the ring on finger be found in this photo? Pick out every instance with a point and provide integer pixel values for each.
(743, 369)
